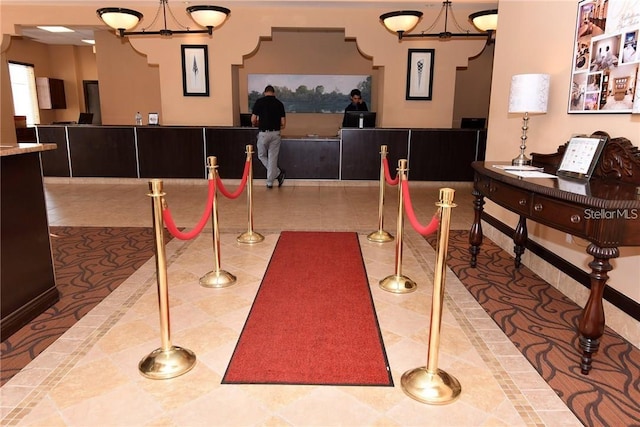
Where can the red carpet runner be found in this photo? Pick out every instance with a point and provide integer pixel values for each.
(313, 320)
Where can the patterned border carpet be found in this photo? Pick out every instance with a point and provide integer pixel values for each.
(89, 262)
(542, 323)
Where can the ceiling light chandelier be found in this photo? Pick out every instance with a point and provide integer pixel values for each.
(122, 19)
(402, 21)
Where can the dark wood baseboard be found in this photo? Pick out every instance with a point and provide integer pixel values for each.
(618, 299)
(25, 314)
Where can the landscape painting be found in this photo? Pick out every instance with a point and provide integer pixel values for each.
(310, 93)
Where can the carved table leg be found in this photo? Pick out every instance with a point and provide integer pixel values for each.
(475, 234)
(592, 322)
(520, 239)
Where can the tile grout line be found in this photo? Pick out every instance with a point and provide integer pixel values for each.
(510, 389)
(58, 373)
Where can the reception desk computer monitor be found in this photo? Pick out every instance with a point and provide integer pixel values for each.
(352, 119)
(473, 123)
(245, 120)
(85, 119)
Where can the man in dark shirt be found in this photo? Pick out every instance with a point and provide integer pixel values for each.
(357, 104)
(268, 114)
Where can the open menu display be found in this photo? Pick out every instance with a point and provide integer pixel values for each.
(581, 156)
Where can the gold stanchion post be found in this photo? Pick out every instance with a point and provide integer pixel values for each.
(430, 384)
(250, 236)
(381, 236)
(168, 361)
(397, 283)
(217, 278)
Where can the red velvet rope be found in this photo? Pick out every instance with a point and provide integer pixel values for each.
(240, 189)
(422, 229)
(387, 174)
(171, 225)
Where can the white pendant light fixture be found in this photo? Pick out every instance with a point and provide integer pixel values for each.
(402, 21)
(123, 20)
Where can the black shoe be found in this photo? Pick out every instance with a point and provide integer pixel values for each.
(280, 177)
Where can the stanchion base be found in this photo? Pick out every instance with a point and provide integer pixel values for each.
(250, 237)
(398, 284)
(164, 364)
(437, 388)
(217, 279)
(380, 236)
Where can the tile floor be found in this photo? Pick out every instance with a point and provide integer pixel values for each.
(90, 376)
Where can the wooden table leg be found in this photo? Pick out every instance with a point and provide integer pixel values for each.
(520, 239)
(591, 325)
(475, 234)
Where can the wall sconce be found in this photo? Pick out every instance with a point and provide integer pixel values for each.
(122, 19)
(529, 93)
(402, 21)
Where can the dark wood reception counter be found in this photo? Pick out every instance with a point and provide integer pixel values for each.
(27, 281)
(181, 152)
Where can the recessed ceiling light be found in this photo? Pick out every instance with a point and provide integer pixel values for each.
(57, 29)
(89, 41)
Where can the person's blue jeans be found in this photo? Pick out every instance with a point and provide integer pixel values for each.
(268, 151)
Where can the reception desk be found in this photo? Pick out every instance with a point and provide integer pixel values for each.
(181, 152)
(27, 281)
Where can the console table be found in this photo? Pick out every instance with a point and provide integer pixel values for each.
(604, 210)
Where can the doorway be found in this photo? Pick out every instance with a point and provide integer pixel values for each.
(92, 100)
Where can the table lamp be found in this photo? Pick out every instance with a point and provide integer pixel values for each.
(529, 94)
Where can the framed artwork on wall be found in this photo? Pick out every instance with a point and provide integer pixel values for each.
(153, 119)
(195, 70)
(605, 62)
(420, 74)
(310, 93)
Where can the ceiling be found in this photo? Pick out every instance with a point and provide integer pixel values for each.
(47, 37)
(86, 32)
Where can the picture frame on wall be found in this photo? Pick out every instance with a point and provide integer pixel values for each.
(195, 70)
(606, 61)
(154, 119)
(310, 93)
(420, 74)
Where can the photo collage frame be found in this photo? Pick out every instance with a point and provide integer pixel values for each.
(605, 66)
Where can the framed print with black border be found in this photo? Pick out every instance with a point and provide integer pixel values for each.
(195, 70)
(420, 74)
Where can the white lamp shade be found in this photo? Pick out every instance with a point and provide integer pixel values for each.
(208, 16)
(401, 21)
(486, 20)
(529, 93)
(119, 18)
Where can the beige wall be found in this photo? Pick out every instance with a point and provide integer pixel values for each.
(7, 125)
(534, 36)
(307, 52)
(473, 87)
(128, 83)
(69, 63)
(86, 69)
(238, 37)
(550, 51)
